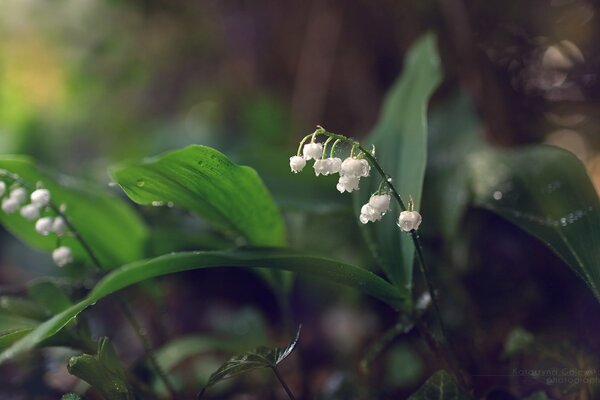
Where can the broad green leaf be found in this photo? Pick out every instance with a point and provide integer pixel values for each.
(400, 140)
(547, 192)
(103, 372)
(261, 357)
(441, 386)
(7, 338)
(453, 135)
(203, 180)
(49, 295)
(10, 322)
(113, 230)
(269, 258)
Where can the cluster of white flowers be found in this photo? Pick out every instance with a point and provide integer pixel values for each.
(44, 225)
(351, 170)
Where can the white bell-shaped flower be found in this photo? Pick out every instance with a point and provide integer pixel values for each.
(369, 214)
(409, 220)
(2, 188)
(43, 226)
(297, 163)
(62, 256)
(10, 205)
(335, 165)
(347, 184)
(40, 197)
(355, 167)
(19, 195)
(312, 151)
(30, 212)
(59, 226)
(380, 202)
(322, 167)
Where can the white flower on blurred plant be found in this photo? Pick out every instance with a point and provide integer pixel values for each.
(380, 202)
(335, 165)
(369, 214)
(30, 212)
(354, 167)
(62, 256)
(347, 183)
(19, 195)
(59, 226)
(43, 226)
(376, 208)
(10, 205)
(297, 163)
(40, 197)
(409, 220)
(312, 151)
(2, 188)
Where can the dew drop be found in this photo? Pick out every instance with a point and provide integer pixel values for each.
(140, 183)
(497, 195)
(158, 203)
(389, 180)
(112, 184)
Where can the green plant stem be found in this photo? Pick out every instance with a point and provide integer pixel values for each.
(122, 303)
(285, 386)
(384, 341)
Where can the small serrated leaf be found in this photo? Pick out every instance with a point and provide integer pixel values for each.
(441, 386)
(261, 357)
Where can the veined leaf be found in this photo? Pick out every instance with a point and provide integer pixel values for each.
(109, 225)
(400, 140)
(547, 192)
(261, 357)
(441, 386)
(270, 258)
(201, 179)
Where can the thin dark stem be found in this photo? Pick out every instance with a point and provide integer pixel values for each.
(285, 386)
(147, 347)
(434, 301)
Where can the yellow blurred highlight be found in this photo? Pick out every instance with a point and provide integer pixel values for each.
(32, 77)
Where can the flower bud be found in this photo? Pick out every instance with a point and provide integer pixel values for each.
(19, 195)
(30, 212)
(297, 164)
(62, 256)
(59, 226)
(43, 226)
(10, 205)
(409, 220)
(40, 197)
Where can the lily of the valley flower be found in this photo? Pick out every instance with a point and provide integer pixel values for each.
(62, 256)
(354, 167)
(10, 205)
(43, 226)
(30, 212)
(376, 208)
(312, 151)
(40, 197)
(409, 221)
(348, 183)
(297, 163)
(19, 195)
(2, 188)
(59, 226)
